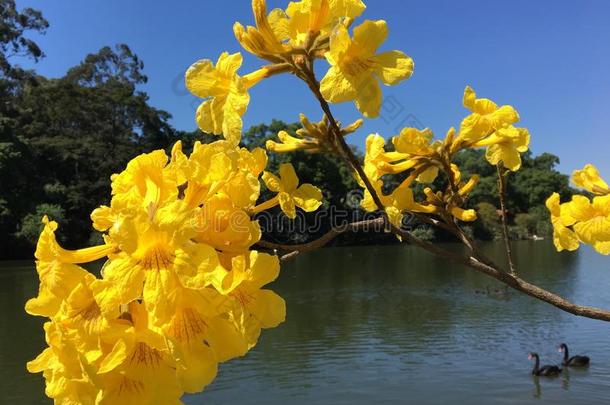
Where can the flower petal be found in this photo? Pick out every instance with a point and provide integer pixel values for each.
(336, 88)
(392, 67)
(368, 100)
(308, 197)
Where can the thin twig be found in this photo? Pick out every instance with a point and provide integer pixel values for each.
(501, 194)
(476, 260)
(295, 250)
(471, 261)
(511, 280)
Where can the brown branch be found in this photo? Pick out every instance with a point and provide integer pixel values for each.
(539, 293)
(476, 260)
(295, 250)
(511, 280)
(340, 141)
(501, 193)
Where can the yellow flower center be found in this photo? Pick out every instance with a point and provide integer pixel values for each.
(128, 385)
(187, 325)
(145, 355)
(243, 297)
(157, 258)
(355, 66)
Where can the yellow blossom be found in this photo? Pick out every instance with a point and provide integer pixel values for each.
(591, 221)
(589, 179)
(378, 162)
(69, 375)
(226, 91)
(289, 193)
(139, 367)
(421, 153)
(306, 17)
(260, 40)
(254, 306)
(356, 68)
(486, 117)
(506, 145)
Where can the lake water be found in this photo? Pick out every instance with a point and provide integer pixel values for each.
(385, 324)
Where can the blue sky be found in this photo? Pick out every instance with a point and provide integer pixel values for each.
(550, 59)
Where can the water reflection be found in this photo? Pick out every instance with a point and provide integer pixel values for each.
(383, 324)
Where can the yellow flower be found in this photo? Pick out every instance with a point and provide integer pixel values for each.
(506, 145)
(356, 68)
(306, 17)
(70, 376)
(225, 227)
(161, 261)
(57, 271)
(143, 184)
(378, 162)
(260, 41)
(139, 367)
(254, 306)
(226, 91)
(589, 179)
(591, 221)
(486, 118)
(563, 237)
(162, 316)
(420, 151)
(413, 141)
(289, 193)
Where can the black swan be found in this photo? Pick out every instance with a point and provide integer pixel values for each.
(548, 371)
(574, 361)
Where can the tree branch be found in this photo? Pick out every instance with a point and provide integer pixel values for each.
(501, 193)
(476, 260)
(295, 250)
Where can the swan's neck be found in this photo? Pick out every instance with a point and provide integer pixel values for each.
(536, 365)
(566, 356)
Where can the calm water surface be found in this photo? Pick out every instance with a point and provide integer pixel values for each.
(385, 324)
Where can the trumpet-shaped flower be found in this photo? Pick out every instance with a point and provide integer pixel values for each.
(70, 376)
(289, 193)
(252, 305)
(57, 271)
(506, 145)
(225, 227)
(260, 40)
(486, 118)
(589, 179)
(226, 91)
(356, 68)
(591, 221)
(563, 237)
(421, 152)
(139, 367)
(378, 162)
(306, 17)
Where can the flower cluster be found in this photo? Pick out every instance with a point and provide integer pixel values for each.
(291, 40)
(582, 219)
(181, 290)
(416, 153)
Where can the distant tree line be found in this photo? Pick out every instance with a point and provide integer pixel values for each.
(61, 139)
